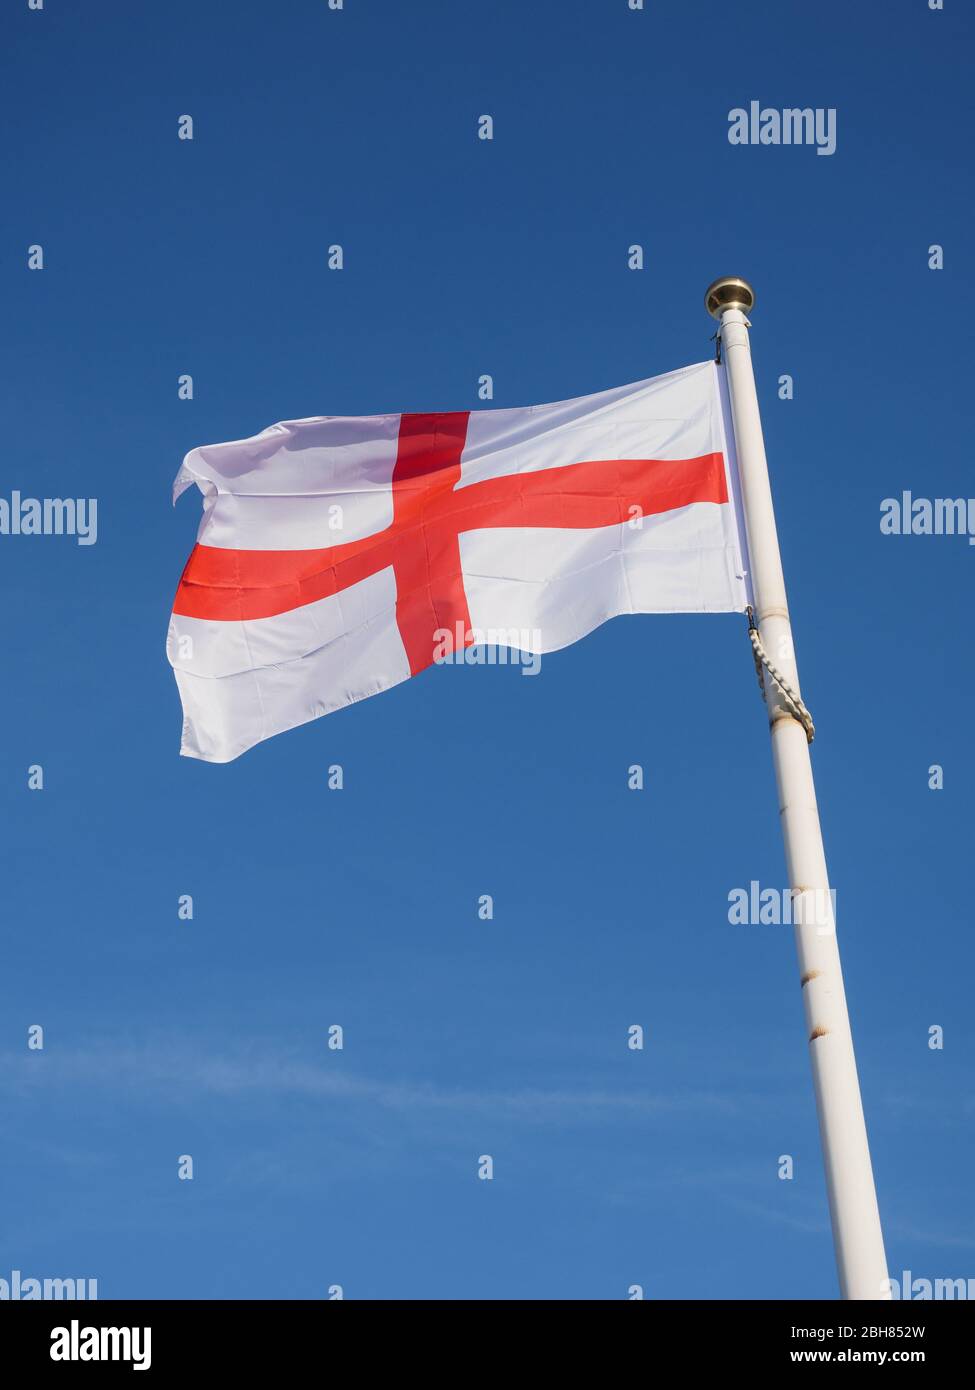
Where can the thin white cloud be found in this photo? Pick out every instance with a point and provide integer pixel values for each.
(185, 1073)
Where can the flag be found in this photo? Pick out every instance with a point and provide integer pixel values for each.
(337, 556)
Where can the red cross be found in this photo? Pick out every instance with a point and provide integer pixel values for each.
(422, 542)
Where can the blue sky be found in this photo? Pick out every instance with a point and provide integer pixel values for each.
(314, 907)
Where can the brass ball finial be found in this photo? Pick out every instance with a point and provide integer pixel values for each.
(730, 292)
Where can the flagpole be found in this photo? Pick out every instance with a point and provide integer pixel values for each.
(855, 1218)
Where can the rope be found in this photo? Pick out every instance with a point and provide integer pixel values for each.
(789, 697)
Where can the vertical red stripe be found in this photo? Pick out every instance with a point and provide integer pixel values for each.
(430, 597)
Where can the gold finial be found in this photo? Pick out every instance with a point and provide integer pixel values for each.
(730, 292)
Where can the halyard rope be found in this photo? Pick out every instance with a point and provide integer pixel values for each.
(790, 699)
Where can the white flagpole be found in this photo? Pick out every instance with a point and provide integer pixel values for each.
(855, 1218)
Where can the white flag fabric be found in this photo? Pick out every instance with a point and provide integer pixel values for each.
(337, 556)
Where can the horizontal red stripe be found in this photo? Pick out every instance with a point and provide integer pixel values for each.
(221, 584)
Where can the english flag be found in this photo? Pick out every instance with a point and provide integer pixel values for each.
(338, 556)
